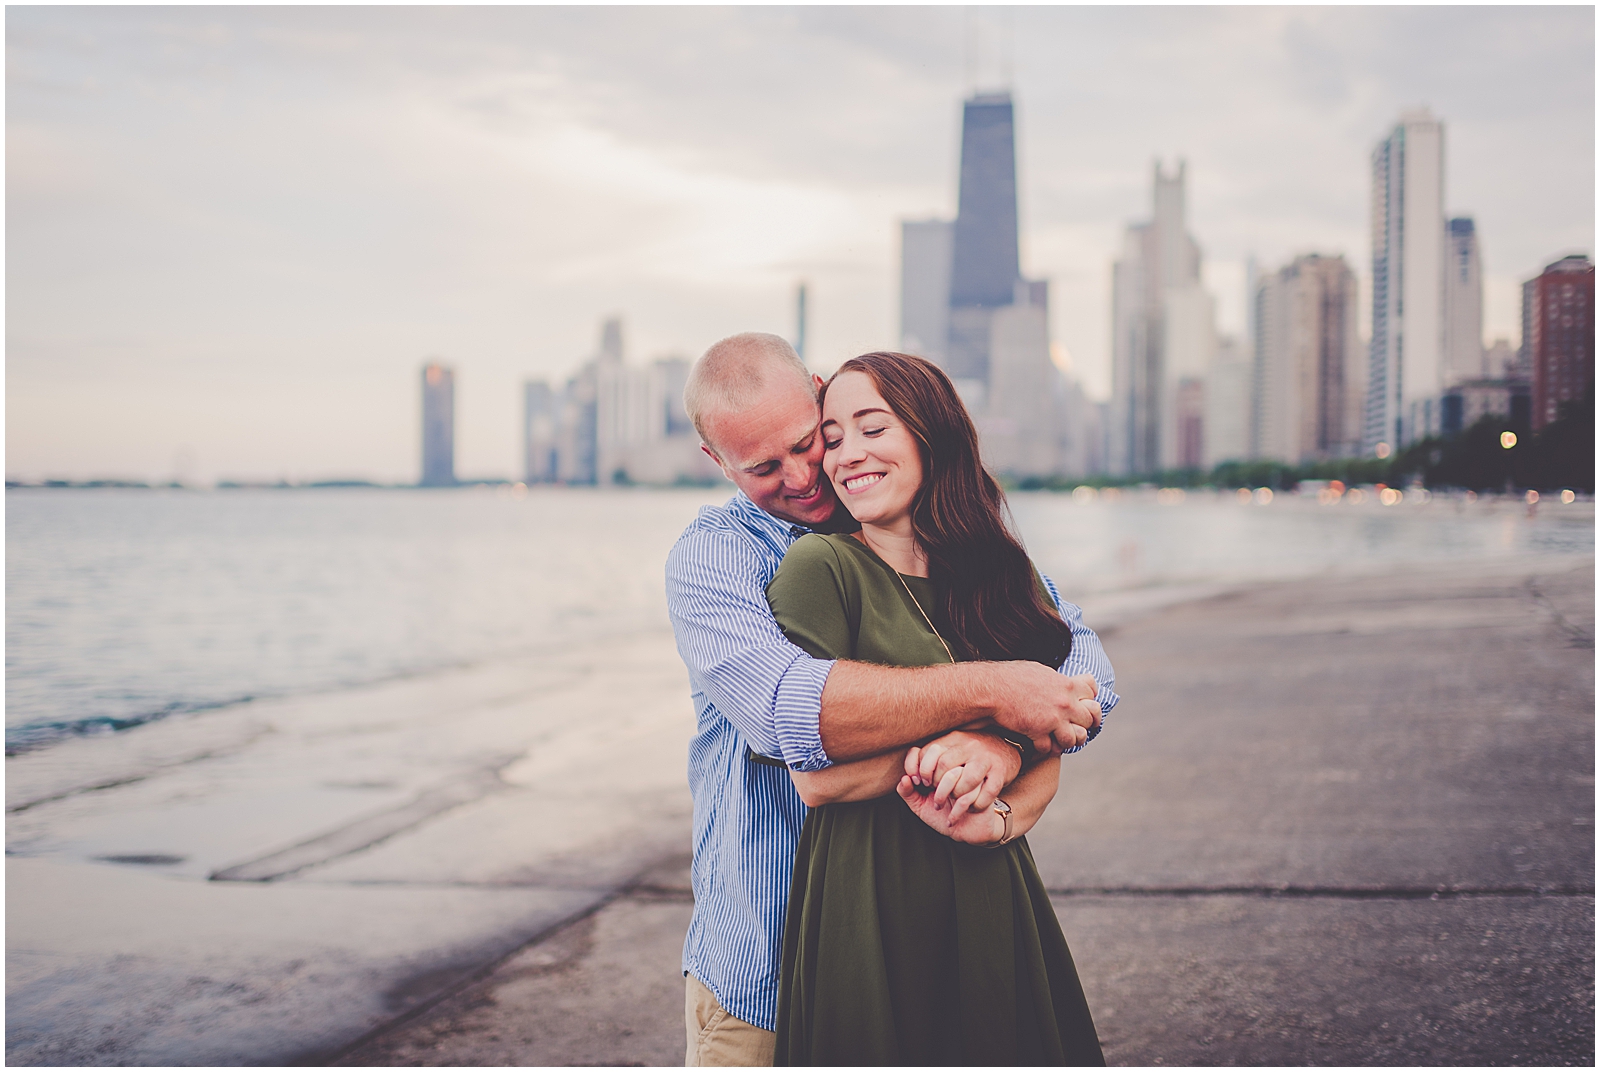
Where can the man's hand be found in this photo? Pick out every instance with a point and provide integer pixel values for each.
(964, 770)
(1055, 712)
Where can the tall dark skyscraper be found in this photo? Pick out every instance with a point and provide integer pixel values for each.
(438, 426)
(984, 266)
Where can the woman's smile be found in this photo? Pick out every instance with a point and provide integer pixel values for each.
(861, 483)
(869, 453)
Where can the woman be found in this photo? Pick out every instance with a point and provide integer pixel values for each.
(918, 930)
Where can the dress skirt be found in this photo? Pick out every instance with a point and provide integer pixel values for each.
(902, 947)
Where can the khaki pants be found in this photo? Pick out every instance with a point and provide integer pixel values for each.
(717, 1038)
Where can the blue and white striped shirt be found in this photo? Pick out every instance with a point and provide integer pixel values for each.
(753, 689)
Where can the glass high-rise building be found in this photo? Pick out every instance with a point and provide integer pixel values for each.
(541, 416)
(1465, 357)
(1163, 338)
(1308, 374)
(984, 265)
(1406, 363)
(438, 426)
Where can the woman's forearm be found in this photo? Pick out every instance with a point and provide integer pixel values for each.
(865, 779)
(1031, 793)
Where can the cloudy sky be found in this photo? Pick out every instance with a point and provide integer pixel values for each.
(234, 235)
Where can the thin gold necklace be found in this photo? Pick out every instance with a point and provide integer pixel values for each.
(924, 613)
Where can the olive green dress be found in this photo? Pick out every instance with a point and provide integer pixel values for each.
(901, 946)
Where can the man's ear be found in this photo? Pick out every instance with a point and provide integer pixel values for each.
(713, 456)
(818, 381)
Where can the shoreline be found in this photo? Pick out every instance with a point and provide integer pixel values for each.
(1111, 606)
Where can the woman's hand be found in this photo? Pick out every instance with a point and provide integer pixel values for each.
(972, 827)
(964, 770)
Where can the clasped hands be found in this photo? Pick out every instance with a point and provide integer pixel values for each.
(951, 782)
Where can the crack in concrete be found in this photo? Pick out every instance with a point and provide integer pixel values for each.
(1359, 893)
(1577, 635)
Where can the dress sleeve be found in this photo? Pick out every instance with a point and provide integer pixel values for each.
(809, 600)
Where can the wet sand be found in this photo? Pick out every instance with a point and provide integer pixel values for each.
(1336, 821)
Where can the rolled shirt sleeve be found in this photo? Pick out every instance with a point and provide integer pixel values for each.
(769, 689)
(1086, 657)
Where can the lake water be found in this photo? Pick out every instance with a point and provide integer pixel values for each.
(128, 605)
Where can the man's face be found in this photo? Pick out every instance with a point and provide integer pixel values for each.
(773, 451)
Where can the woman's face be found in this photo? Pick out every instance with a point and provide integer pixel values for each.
(869, 454)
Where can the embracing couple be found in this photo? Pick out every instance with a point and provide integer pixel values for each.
(884, 687)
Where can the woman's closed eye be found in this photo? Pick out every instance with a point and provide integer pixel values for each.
(873, 431)
(829, 444)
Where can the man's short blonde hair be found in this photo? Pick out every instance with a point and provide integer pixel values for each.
(735, 372)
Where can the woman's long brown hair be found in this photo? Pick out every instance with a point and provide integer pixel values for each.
(992, 603)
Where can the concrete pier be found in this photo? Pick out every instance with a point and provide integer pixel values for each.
(1335, 821)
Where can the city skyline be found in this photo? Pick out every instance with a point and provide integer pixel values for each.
(238, 233)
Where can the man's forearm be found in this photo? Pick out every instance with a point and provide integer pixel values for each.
(868, 709)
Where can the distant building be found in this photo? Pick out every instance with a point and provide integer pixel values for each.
(925, 249)
(1504, 391)
(1467, 402)
(1018, 422)
(1558, 331)
(577, 432)
(800, 321)
(438, 426)
(613, 423)
(1307, 389)
(984, 265)
(541, 418)
(1080, 430)
(1163, 339)
(1530, 289)
(965, 305)
(1463, 305)
(1501, 361)
(1227, 404)
(1407, 360)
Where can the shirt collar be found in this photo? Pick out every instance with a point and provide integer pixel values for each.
(753, 515)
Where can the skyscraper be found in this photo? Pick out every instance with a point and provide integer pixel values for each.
(1406, 361)
(1560, 335)
(1163, 338)
(614, 423)
(984, 266)
(438, 426)
(925, 287)
(1227, 404)
(965, 305)
(541, 415)
(800, 321)
(1017, 423)
(1308, 377)
(1463, 305)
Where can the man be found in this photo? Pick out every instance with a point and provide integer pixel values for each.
(756, 695)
